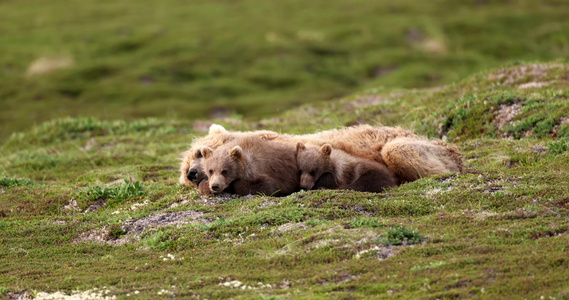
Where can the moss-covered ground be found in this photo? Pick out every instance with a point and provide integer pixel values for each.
(87, 204)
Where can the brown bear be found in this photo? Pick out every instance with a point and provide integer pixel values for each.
(363, 141)
(191, 171)
(406, 154)
(325, 167)
(251, 165)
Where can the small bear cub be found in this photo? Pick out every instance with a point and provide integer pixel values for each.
(251, 165)
(327, 168)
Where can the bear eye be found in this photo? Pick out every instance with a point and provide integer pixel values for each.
(210, 172)
(312, 173)
(224, 172)
(198, 154)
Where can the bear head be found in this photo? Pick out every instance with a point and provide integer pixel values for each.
(223, 166)
(191, 171)
(313, 163)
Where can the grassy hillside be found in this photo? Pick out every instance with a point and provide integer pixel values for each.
(94, 206)
(200, 59)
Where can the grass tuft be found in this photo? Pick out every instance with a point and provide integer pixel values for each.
(114, 194)
(9, 182)
(558, 147)
(364, 223)
(399, 235)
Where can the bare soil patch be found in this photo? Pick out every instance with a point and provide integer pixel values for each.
(506, 114)
(137, 226)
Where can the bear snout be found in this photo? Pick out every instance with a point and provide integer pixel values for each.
(306, 182)
(216, 187)
(192, 174)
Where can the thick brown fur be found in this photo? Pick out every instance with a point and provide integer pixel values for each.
(363, 141)
(252, 165)
(406, 154)
(411, 159)
(325, 167)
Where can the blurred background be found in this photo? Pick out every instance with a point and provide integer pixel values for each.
(250, 58)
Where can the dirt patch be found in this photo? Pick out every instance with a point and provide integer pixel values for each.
(506, 114)
(102, 236)
(222, 198)
(386, 252)
(94, 294)
(18, 296)
(137, 226)
(382, 252)
(132, 229)
(72, 205)
(530, 75)
(269, 202)
(98, 204)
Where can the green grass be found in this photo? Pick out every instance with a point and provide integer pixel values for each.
(7, 182)
(89, 194)
(497, 230)
(112, 195)
(201, 59)
(402, 236)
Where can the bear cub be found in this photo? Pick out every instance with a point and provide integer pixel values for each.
(251, 165)
(327, 168)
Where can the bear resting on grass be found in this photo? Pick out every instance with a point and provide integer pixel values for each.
(191, 169)
(405, 154)
(252, 165)
(326, 168)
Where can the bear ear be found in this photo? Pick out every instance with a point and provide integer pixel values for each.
(216, 129)
(326, 149)
(198, 154)
(236, 153)
(300, 146)
(206, 152)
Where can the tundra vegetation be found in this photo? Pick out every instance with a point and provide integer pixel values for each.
(96, 110)
(87, 204)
